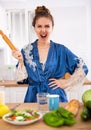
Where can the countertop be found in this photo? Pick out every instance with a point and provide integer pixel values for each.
(14, 83)
(40, 125)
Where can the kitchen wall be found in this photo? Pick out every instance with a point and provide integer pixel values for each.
(2, 26)
(7, 71)
(72, 27)
(3, 47)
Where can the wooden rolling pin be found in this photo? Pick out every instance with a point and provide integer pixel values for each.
(6, 39)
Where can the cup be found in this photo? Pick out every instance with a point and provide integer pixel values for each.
(53, 101)
(42, 101)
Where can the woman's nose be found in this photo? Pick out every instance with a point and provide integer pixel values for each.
(43, 29)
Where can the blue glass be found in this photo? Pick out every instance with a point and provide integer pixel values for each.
(53, 102)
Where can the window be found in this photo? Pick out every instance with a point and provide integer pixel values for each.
(19, 27)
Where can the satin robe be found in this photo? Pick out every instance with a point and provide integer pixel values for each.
(59, 61)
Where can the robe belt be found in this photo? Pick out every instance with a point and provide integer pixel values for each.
(41, 86)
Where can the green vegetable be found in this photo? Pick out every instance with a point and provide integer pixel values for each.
(59, 117)
(86, 114)
(65, 113)
(86, 96)
(69, 122)
(53, 120)
(68, 116)
(88, 104)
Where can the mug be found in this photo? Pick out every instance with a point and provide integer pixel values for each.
(53, 101)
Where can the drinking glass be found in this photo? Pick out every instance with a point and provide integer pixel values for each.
(53, 101)
(42, 101)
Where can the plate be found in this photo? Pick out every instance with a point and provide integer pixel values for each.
(22, 122)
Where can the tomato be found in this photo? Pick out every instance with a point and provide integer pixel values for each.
(13, 117)
(36, 116)
(28, 119)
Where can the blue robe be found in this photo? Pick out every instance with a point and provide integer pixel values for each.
(59, 61)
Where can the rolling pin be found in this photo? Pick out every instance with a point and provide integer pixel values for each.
(6, 39)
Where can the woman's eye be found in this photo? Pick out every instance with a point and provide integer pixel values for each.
(39, 26)
(47, 26)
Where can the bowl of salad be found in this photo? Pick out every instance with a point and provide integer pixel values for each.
(22, 117)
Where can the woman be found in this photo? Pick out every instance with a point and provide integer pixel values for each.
(43, 63)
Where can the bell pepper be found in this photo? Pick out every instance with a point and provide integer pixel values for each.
(52, 119)
(59, 117)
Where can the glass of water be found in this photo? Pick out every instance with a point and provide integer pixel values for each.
(42, 101)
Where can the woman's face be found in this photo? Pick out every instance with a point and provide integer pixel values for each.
(43, 29)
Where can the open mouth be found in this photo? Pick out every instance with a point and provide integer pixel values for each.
(43, 36)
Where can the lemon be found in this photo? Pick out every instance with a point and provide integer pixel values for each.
(1, 103)
(3, 109)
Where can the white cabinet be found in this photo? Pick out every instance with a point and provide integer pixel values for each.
(77, 92)
(15, 94)
(7, 95)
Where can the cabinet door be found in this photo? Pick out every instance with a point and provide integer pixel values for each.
(7, 95)
(77, 92)
(17, 94)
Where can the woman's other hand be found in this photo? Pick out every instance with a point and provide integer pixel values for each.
(58, 83)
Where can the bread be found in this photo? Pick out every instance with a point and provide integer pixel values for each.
(67, 75)
(73, 106)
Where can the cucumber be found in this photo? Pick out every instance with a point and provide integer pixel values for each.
(88, 104)
(85, 114)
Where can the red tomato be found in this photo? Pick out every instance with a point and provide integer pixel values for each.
(28, 119)
(13, 117)
(36, 116)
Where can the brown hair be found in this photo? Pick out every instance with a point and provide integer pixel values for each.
(42, 11)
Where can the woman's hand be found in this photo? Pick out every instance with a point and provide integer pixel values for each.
(58, 83)
(18, 55)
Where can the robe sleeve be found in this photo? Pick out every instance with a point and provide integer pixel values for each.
(21, 73)
(76, 79)
(78, 70)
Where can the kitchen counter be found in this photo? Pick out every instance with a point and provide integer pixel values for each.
(40, 125)
(12, 84)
